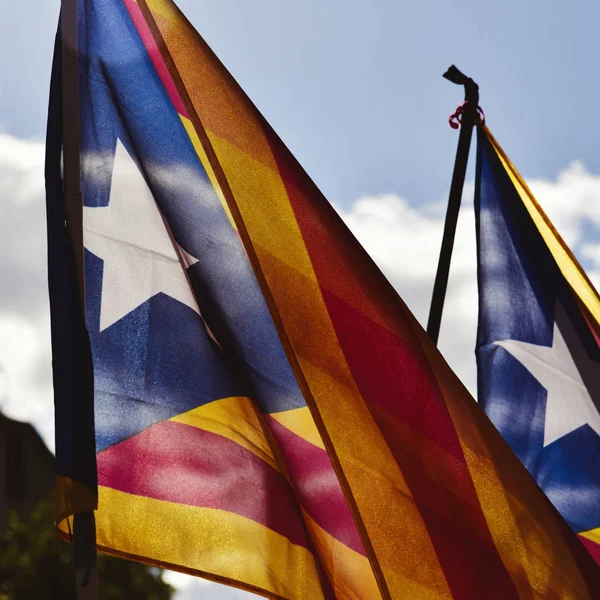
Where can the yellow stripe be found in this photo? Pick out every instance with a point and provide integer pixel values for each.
(349, 571)
(206, 541)
(207, 166)
(564, 258)
(72, 497)
(255, 184)
(524, 529)
(382, 494)
(300, 422)
(212, 90)
(234, 418)
(592, 534)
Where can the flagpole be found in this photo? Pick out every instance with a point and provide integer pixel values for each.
(84, 524)
(467, 116)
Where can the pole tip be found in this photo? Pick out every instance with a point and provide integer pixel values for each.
(456, 76)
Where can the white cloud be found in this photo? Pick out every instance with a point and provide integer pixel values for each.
(405, 242)
(571, 202)
(192, 588)
(403, 239)
(24, 319)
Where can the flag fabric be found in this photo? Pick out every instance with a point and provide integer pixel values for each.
(76, 478)
(268, 413)
(537, 346)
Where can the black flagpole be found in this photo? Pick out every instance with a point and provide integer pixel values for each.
(84, 524)
(467, 115)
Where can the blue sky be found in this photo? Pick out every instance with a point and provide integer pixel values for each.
(355, 90)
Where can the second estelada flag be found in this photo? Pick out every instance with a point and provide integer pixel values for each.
(268, 412)
(537, 347)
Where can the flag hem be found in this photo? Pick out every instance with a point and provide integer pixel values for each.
(179, 569)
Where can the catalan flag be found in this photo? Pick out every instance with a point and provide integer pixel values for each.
(537, 348)
(268, 413)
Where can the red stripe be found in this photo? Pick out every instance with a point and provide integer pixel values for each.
(592, 547)
(178, 463)
(589, 320)
(317, 485)
(400, 395)
(397, 385)
(159, 64)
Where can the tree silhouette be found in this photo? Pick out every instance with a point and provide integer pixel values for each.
(37, 565)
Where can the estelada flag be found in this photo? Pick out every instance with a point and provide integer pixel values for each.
(537, 347)
(268, 413)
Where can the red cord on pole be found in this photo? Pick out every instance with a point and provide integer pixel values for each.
(455, 118)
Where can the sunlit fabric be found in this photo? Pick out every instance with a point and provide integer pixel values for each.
(268, 413)
(537, 348)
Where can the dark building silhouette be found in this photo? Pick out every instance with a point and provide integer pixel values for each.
(26, 468)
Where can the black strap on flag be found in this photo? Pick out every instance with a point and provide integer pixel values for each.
(71, 352)
(466, 116)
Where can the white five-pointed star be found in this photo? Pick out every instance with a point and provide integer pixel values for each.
(562, 370)
(141, 259)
